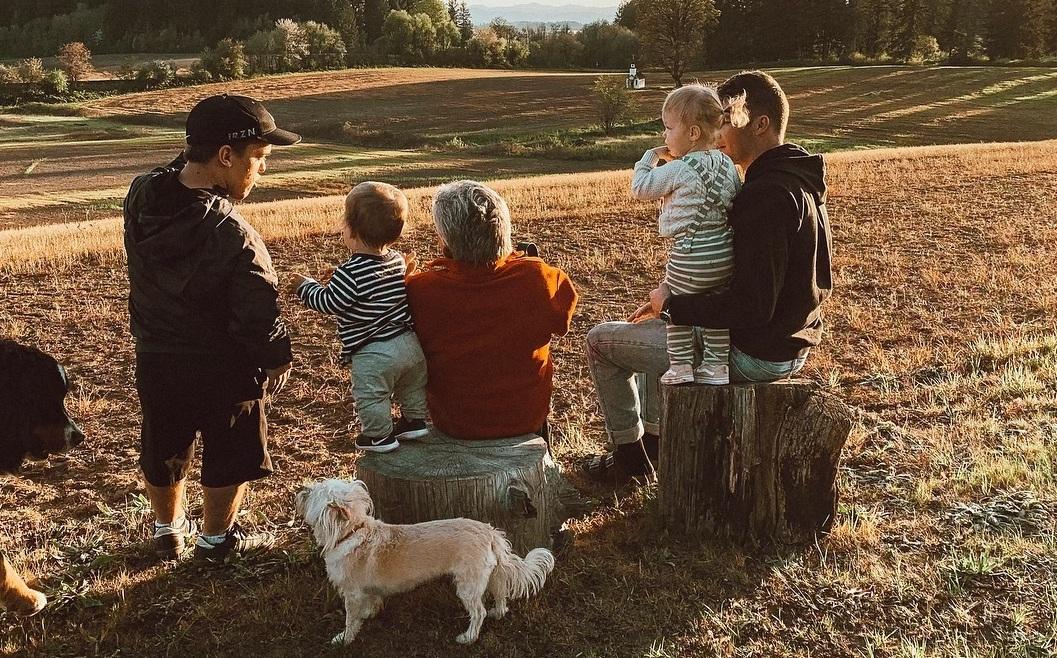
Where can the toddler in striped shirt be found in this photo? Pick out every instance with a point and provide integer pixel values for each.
(368, 296)
(696, 186)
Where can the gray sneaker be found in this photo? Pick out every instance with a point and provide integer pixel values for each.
(171, 543)
(237, 540)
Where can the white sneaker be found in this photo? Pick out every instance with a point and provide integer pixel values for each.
(715, 374)
(679, 373)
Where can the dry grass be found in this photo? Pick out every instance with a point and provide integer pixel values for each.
(941, 333)
(563, 196)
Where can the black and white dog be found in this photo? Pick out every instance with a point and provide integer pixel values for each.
(33, 423)
(33, 418)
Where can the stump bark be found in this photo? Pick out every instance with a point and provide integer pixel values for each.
(513, 484)
(754, 463)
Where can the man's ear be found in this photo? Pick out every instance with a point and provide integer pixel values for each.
(763, 124)
(224, 155)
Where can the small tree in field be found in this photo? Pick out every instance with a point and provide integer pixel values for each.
(31, 70)
(612, 101)
(75, 60)
(672, 32)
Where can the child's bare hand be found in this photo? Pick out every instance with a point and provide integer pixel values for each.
(411, 262)
(296, 279)
(663, 153)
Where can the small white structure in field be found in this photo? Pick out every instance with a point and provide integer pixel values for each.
(635, 80)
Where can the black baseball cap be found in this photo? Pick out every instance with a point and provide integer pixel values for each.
(226, 119)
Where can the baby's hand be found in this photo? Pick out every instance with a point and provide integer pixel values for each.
(663, 153)
(296, 279)
(411, 262)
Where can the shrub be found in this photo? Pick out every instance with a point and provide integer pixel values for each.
(325, 47)
(8, 74)
(926, 50)
(157, 74)
(612, 101)
(411, 37)
(227, 61)
(487, 49)
(75, 60)
(31, 70)
(199, 74)
(281, 49)
(54, 83)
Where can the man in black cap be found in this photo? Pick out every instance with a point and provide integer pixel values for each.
(210, 344)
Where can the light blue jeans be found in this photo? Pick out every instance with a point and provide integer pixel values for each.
(626, 361)
(388, 370)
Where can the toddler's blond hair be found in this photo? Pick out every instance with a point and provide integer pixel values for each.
(696, 105)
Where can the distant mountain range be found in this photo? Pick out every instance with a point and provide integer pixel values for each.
(534, 13)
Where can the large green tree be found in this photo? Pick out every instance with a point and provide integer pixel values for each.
(671, 32)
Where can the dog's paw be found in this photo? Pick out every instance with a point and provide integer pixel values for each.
(32, 603)
(465, 638)
(497, 612)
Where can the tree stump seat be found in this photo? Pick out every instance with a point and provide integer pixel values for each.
(755, 463)
(513, 484)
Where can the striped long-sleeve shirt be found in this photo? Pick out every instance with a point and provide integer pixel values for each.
(368, 296)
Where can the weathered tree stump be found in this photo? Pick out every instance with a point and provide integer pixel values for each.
(513, 484)
(753, 463)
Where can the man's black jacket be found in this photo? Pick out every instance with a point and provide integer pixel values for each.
(782, 273)
(200, 278)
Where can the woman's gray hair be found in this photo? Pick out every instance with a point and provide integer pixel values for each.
(474, 222)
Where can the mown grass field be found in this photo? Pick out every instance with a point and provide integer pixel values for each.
(423, 126)
(941, 334)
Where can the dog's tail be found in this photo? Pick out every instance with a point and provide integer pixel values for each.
(519, 578)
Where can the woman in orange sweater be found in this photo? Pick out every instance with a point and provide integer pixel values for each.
(485, 315)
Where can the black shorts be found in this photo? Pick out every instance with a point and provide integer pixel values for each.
(183, 396)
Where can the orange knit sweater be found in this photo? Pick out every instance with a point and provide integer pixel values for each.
(486, 335)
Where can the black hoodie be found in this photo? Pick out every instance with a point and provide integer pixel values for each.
(782, 274)
(200, 278)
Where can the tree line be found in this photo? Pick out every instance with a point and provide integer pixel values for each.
(278, 35)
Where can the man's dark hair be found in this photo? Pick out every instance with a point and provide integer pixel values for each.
(202, 153)
(763, 97)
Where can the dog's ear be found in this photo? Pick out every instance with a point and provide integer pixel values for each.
(331, 526)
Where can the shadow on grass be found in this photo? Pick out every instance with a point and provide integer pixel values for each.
(625, 588)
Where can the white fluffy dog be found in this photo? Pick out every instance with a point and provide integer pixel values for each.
(368, 559)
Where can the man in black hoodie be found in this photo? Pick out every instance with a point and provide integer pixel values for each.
(210, 344)
(781, 276)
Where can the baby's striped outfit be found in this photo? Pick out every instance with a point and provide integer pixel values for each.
(697, 190)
